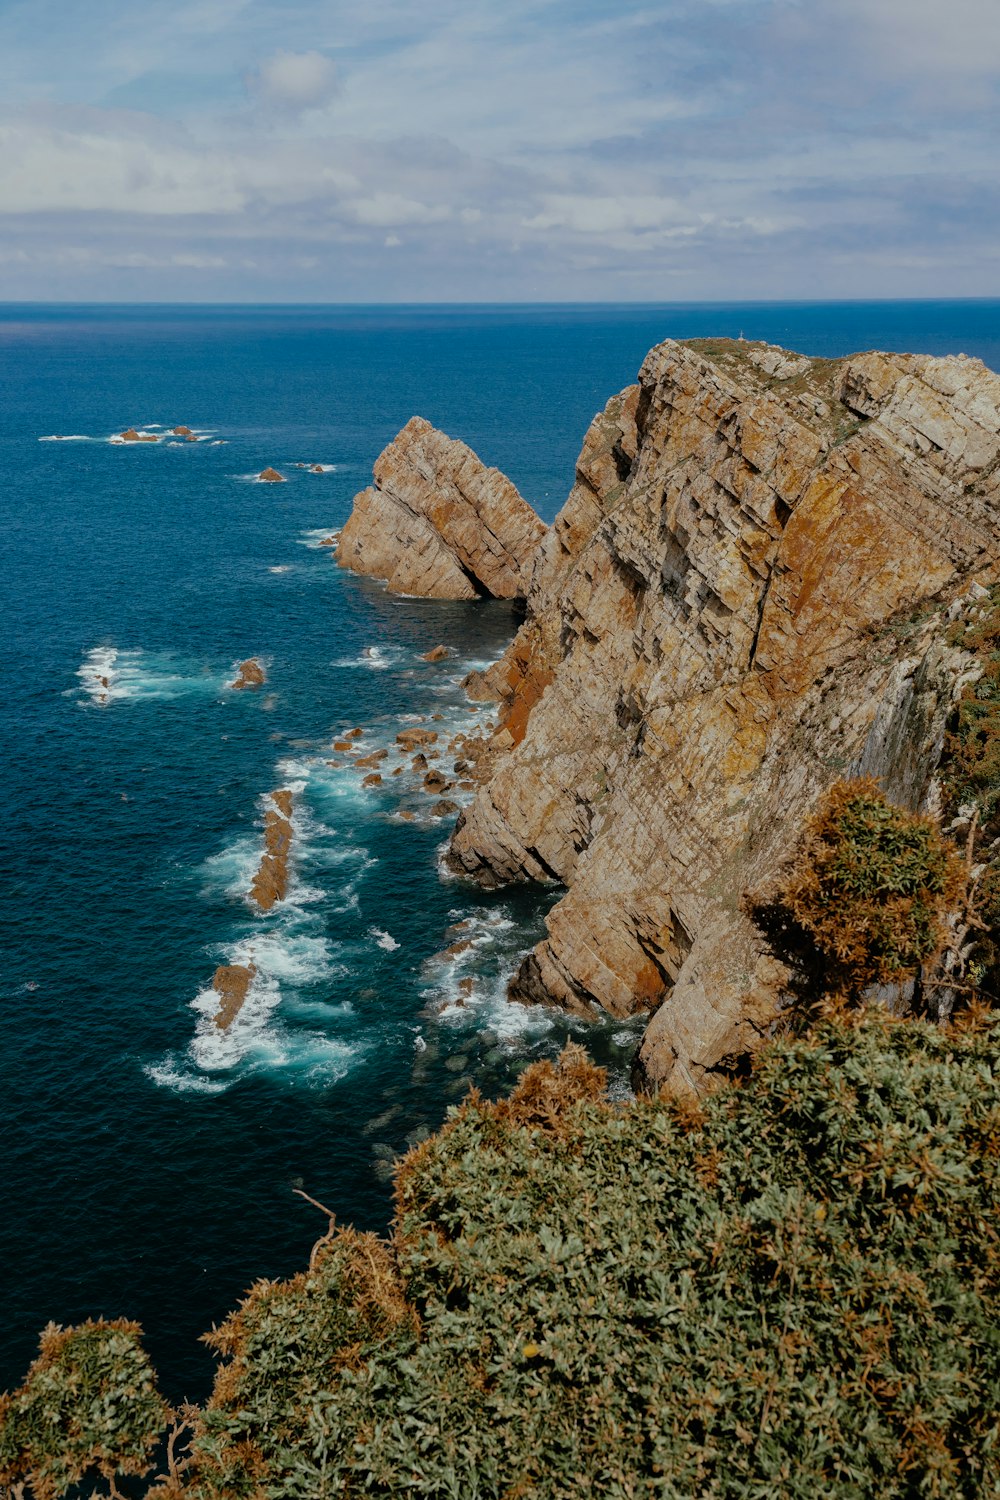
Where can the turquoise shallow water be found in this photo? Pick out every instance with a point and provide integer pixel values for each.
(147, 1162)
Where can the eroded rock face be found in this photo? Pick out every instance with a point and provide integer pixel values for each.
(713, 636)
(437, 523)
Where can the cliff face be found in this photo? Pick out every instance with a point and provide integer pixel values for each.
(437, 523)
(715, 632)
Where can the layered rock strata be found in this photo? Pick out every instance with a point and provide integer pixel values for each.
(438, 524)
(741, 601)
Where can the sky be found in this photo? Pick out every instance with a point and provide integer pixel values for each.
(499, 150)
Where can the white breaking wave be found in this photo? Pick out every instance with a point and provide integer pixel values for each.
(383, 939)
(109, 674)
(375, 658)
(320, 538)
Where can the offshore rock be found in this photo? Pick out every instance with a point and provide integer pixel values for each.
(131, 436)
(270, 884)
(742, 601)
(249, 674)
(438, 524)
(271, 476)
(231, 983)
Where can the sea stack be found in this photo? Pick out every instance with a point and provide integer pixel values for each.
(749, 594)
(271, 476)
(438, 524)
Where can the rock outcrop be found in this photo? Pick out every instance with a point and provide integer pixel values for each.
(742, 600)
(231, 982)
(438, 524)
(131, 436)
(271, 476)
(270, 884)
(249, 674)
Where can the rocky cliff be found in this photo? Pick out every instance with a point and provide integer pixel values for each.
(439, 524)
(741, 601)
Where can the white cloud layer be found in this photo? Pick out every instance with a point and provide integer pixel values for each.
(545, 148)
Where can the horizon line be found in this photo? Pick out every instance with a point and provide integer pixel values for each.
(509, 303)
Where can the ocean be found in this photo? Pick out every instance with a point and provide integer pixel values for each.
(148, 1160)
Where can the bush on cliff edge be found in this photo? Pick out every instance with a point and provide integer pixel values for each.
(789, 1289)
(867, 898)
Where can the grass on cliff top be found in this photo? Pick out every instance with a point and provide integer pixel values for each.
(788, 1290)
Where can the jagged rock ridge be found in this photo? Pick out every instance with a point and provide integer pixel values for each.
(437, 523)
(713, 636)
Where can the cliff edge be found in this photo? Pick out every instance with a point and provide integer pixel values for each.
(439, 524)
(741, 602)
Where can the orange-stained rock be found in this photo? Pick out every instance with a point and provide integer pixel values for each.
(437, 653)
(271, 476)
(438, 524)
(444, 808)
(372, 779)
(182, 431)
(131, 436)
(328, 541)
(270, 884)
(343, 746)
(410, 738)
(231, 983)
(435, 782)
(249, 674)
(712, 637)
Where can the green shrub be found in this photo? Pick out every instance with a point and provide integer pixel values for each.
(866, 899)
(89, 1402)
(787, 1290)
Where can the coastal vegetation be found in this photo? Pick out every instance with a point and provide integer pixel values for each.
(866, 901)
(789, 1287)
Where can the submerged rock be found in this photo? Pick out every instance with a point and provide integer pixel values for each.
(438, 524)
(712, 638)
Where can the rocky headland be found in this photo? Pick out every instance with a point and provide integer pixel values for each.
(438, 524)
(745, 597)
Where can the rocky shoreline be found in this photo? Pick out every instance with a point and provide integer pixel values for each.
(743, 598)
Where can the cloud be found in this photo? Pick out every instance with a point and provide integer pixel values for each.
(294, 81)
(542, 148)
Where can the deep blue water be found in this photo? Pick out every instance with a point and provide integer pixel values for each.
(148, 1162)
